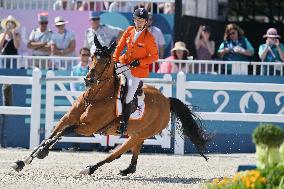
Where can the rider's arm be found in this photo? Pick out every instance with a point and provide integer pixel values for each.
(121, 44)
(152, 50)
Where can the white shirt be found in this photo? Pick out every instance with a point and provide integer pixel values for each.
(105, 33)
(158, 35)
(38, 36)
(126, 7)
(63, 40)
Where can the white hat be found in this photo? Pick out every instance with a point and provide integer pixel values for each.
(59, 20)
(180, 46)
(10, 18)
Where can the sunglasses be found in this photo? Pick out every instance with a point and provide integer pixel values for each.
(232, 33)
(95, 19)
(43, 23)
(85, 54)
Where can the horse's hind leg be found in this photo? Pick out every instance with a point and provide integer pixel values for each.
(132, 166)
(131, 142)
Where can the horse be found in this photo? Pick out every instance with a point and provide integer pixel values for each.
(95, 112)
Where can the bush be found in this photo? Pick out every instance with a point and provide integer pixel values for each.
(269, 135)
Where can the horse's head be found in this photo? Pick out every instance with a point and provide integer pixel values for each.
(102, 63)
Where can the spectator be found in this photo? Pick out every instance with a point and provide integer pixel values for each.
(119, 6)
(81, 69)
(205, 48)
(159, 39)
(81, 5)
(272, 50)
(61, 5)
(235, 46)
(63, 41)
(105, 33)
(10, 39)
(179, 52)
(39, 40)
(169, 8)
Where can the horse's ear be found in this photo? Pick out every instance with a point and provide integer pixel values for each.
(112, 47)
(97, 43)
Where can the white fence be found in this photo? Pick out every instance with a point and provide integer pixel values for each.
(187, 66)
(34, 110)
(97, 5)
(221, 89)
(52, 81)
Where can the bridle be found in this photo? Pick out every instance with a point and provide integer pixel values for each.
(90, 82)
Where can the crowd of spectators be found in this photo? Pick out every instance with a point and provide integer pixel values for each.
(234, 47)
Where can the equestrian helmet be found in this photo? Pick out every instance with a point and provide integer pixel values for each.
(141, 13)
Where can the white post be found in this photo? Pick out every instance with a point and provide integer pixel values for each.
(36, 102)
(49, 105)
(179, 141)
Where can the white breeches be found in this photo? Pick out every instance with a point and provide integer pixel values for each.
(132, 82)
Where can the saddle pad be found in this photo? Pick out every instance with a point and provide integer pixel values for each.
(139, 112)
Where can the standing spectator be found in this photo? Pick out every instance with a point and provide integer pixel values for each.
(106, 34)
(272, 50)
(159, 39)
(205, 48)
(39, 40)
(179, 52)
(158, 35)
(119, 6)
(10, 40)
(235, 46)
(81, 69)
(63, 41)
(61, 5)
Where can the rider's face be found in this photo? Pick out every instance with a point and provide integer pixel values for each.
(140, 23)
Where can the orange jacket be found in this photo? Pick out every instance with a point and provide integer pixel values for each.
(144, 49)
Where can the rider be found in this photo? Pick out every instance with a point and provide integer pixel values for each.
(141, 51)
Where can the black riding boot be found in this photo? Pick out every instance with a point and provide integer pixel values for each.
(124, 118)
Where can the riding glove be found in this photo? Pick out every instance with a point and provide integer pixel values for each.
(134, 63)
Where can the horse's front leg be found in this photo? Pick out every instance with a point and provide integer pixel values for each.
(130, 142)
(67, 124)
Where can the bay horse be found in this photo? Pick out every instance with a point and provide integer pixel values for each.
(95, 112)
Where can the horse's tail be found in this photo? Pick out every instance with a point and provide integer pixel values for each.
(191, 125)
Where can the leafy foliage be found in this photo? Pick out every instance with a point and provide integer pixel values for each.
(269, 135)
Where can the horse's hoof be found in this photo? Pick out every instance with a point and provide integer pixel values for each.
(18, 165)
(42, 153)
(127, 171)
(85, 171)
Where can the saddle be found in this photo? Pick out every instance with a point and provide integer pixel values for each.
(124, 89)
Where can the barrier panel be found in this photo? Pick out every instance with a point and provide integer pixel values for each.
(34, 110)
(251, 90)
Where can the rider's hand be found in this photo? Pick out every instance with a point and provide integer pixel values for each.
(134, 64)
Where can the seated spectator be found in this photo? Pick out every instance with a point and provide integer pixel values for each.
(10, 39)
(81, 69)
(62, 41)
(120, 6)
(235, 46)
(272, 50)
(205, 48)
(39, 40)
(179, 52)
(159, 39)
